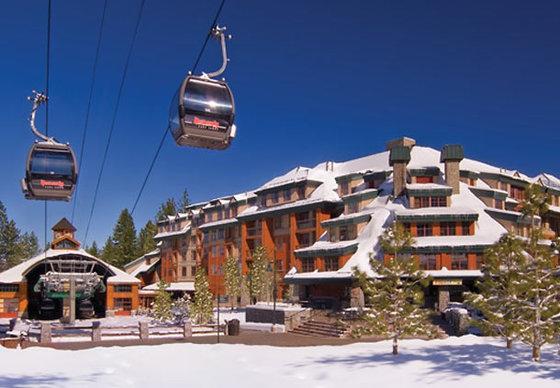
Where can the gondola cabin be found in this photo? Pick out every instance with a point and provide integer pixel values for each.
(51, 172)
(202, 114)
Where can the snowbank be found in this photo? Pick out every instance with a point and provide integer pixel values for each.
(453, 362)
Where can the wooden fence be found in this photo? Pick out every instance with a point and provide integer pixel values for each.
(46, 332)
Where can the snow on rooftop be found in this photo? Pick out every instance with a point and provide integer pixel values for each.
(144, 267)
(175, 286)
(225, 221)
(426, 186)
(17, 274)
(425, 211)
(179, 232)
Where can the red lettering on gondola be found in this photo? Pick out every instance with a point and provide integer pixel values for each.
(45, 183)
(206, 123)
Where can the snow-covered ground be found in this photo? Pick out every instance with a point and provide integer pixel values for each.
(479, 362)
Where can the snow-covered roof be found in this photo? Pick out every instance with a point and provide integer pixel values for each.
(298, 174)
(144, 267)
(212, 224)
(17, 274)
(176, 286)
(179, 232)
(429, 211)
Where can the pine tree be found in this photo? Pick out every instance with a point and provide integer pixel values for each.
(538, 280)
(258, 275)
(168, 208)
(201, 309)
(29, 246)
(93, 250)
(109, 252)
(124, 240)
(395, 295)
(184, 201)
(499, 290)
(162, 303)
(233, 279)
(10, 248)
(146, 242)
(181, 308)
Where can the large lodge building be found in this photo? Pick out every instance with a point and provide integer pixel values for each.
(321, 222)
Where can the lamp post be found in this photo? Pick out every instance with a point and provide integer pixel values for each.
(274, 288)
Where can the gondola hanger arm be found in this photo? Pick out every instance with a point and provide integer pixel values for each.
(37, 98)
(219, 33)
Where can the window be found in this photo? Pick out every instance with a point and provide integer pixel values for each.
(498, 204)
(122, 288)
(287, 194)
(516, 192)
(465, 228)
(9, 287)
(424, 230)
(9, 305)
(438, 201)
(344, 188)
(307, 264)
(221, 234)
(447, 229)
(331, 263)
(353, 207)
(406, 227)
(424, 179)
(343, 233)
(459, 261)
(183, 271)
(427, 262)
(479, 260)
(422, 201)
(124, 304)
(274, 197)
(301, 192)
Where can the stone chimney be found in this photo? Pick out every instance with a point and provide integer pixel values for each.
(451, 155)
(399, 157)
(402, 141)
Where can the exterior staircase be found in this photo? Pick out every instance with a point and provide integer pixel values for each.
(321, 326)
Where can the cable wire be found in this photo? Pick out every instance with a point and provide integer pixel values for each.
(47, 81)
(199, 56)
(115, 112)
(90, 99)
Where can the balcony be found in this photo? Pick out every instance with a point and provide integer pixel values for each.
(308, 223)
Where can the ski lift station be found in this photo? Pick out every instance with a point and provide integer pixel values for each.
(66, 282)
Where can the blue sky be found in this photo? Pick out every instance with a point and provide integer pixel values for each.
(313, 81)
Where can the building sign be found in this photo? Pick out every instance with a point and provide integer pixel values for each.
(447, 282)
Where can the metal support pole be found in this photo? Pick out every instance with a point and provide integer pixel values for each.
(72, 296)
(274, 291)
(218, 327)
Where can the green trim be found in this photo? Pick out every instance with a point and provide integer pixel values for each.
(399, 154)
(504, 178)
(267, 212)
(501, 215)
(284, 186)
(359, 218)
(328, 252)
(425, 171)
(438, 217)
(469, 174)
(452, 152)
(360, 195)
(377, 175)
(429, 192)
(451, 249)
(488, 193)
(348, 177)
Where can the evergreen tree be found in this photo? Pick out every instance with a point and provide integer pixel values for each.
(233, 279)
(258, 274)
(109, 253)
(29, 246)
(10, 248)
(499, 290)
(201, 309)
(146, 242)
(163, 303)
(181, 308)
(168, 208)
(93, 250)
(538, 280)
(184, 201)
(124, 240)
(395, 295)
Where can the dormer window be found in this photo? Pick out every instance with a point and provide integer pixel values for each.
(275, 197)
(287, 194)
(301, 192)
(344, 188)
